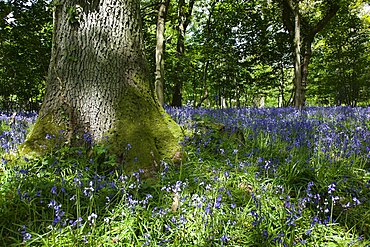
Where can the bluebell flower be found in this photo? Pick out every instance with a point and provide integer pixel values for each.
(91, 218)
(331, 188)
(25, 235)
(224, 238)
(54, 190)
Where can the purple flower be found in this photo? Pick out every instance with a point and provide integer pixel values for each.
(356, 201)
(224, 239)
(218, 201)
(54, 190)
(91, 218)
(208, 209)
(183, 220)
(25, 235)
(331, 188)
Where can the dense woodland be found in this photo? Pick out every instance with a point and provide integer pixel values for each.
(102, 163)
(213, 53)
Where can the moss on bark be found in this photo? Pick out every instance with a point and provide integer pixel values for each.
(45, 135)
(144, 133)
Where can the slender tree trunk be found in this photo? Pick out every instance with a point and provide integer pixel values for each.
(205, 88)
(98, 83)
(184, 15)
(206, 51)
(299, 89)
(160, 48)
(238, 94)
(307, 52)
(282, 87)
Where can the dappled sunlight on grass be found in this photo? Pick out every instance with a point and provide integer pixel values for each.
(253, 177)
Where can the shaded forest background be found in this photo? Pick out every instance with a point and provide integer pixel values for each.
(229, 53)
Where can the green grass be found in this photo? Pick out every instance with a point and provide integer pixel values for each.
(259, 191)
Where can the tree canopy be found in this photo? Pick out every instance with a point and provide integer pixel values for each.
(216, 53)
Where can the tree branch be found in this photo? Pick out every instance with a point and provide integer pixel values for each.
(325, 20)
(287, 9)
(188, 13)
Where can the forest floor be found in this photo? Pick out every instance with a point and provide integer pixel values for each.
(251, 177)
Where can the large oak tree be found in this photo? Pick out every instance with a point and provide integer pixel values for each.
(98, 83)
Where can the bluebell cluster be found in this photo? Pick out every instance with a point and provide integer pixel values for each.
(275, 186)
(342, 130)
(13, 129)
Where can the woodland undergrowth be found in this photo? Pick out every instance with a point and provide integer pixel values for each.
(252, 177)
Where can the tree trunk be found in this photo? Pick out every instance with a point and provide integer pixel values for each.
(205, 88)
(299, 90)
(98, 83)
(281, 98)
(307, 52)
(292, 21)
(159, 53)
(184, 15)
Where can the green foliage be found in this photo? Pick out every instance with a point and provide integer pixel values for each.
(25, 43)
(239, 53)
(341, 62)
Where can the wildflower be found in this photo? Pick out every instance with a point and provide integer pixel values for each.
(147, 197)
(77, 222)
(224, 239)
(208, 209)
(52, 203)
(218, 201)
(91, 218)
(84, 239)
(112, 184)
(54, 190)
(331, 188)
(25, 235)
(356, 201)
(147, 238)
(183, 220)
(23, 171)
(255, 215)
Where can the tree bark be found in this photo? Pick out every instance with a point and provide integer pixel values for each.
(160, 48)
(302, 41)
(281, 99)
(184, 15)
(98, 83)
(299, 89)
(205, 88)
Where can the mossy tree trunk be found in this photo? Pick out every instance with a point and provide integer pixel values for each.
(98, 83)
